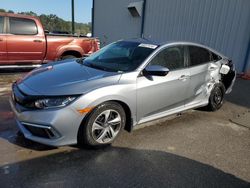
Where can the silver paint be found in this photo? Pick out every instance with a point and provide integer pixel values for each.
(147, 99)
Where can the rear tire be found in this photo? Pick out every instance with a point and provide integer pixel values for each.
(102, 126)
(68, 57)
(216, 98)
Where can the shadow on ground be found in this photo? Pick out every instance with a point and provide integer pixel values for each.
(115, 167)
(240, 93)
(15, 70)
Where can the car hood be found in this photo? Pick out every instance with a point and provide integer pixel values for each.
(65, 78)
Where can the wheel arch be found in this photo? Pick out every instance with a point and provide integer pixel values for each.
(71, 52)
(129, 120)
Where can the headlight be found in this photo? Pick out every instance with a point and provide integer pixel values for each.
(53, 102)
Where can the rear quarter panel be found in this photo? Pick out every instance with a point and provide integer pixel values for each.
(57, 45)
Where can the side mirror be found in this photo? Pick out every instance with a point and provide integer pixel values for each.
(155, 70)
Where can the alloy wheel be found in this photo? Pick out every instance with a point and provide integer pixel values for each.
(106, 126)
(218, 96)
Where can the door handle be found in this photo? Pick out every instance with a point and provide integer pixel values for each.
(212, 68)
(36, 40)
(1, 40)
(184, 77)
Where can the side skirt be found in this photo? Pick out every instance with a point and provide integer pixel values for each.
(170, 114)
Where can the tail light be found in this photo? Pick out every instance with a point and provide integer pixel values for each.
(98, 44)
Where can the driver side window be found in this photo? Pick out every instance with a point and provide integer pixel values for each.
(171, 58)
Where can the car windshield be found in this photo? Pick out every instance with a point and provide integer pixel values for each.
(124, 56)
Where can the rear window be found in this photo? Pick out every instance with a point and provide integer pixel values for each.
(22, 26)
(1, 24)
(198, 55)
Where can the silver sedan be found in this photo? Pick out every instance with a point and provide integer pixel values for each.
(91, 100)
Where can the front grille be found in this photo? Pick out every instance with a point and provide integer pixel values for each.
(44, 132)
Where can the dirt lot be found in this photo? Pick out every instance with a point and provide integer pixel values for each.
(197, 149)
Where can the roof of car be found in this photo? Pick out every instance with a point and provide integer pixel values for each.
(160, 43)
(144, 41)
(148, 41)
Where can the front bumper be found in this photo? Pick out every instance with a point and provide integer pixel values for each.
(55, 127)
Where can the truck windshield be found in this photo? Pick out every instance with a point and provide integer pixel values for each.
(124, 56)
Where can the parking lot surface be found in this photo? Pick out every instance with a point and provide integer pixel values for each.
(196, 149)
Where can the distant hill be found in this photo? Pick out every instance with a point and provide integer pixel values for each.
(52, 23)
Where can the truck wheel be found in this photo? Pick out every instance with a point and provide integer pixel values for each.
(68, 57)
(102, 126)
(216, 97)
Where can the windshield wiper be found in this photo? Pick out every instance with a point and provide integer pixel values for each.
(96, 66)
(80, 60)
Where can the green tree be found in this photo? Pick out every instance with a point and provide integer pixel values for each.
(30, 13)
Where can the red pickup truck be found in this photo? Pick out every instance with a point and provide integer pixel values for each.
(23, 42)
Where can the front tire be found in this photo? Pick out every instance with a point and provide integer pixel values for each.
(216, 98)
(103, 125)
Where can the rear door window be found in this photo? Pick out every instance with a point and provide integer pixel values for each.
(1, 24)
(198, 55)
(22, 26)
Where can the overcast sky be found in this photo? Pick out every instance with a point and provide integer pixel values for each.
(62, 8)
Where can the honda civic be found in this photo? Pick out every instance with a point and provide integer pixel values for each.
(91, 100)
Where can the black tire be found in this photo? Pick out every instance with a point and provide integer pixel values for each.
(68, 57)
(216, 98)
(86, 136)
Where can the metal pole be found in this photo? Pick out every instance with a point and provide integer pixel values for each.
(143, 18)
(73, 16)
(93, 18)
